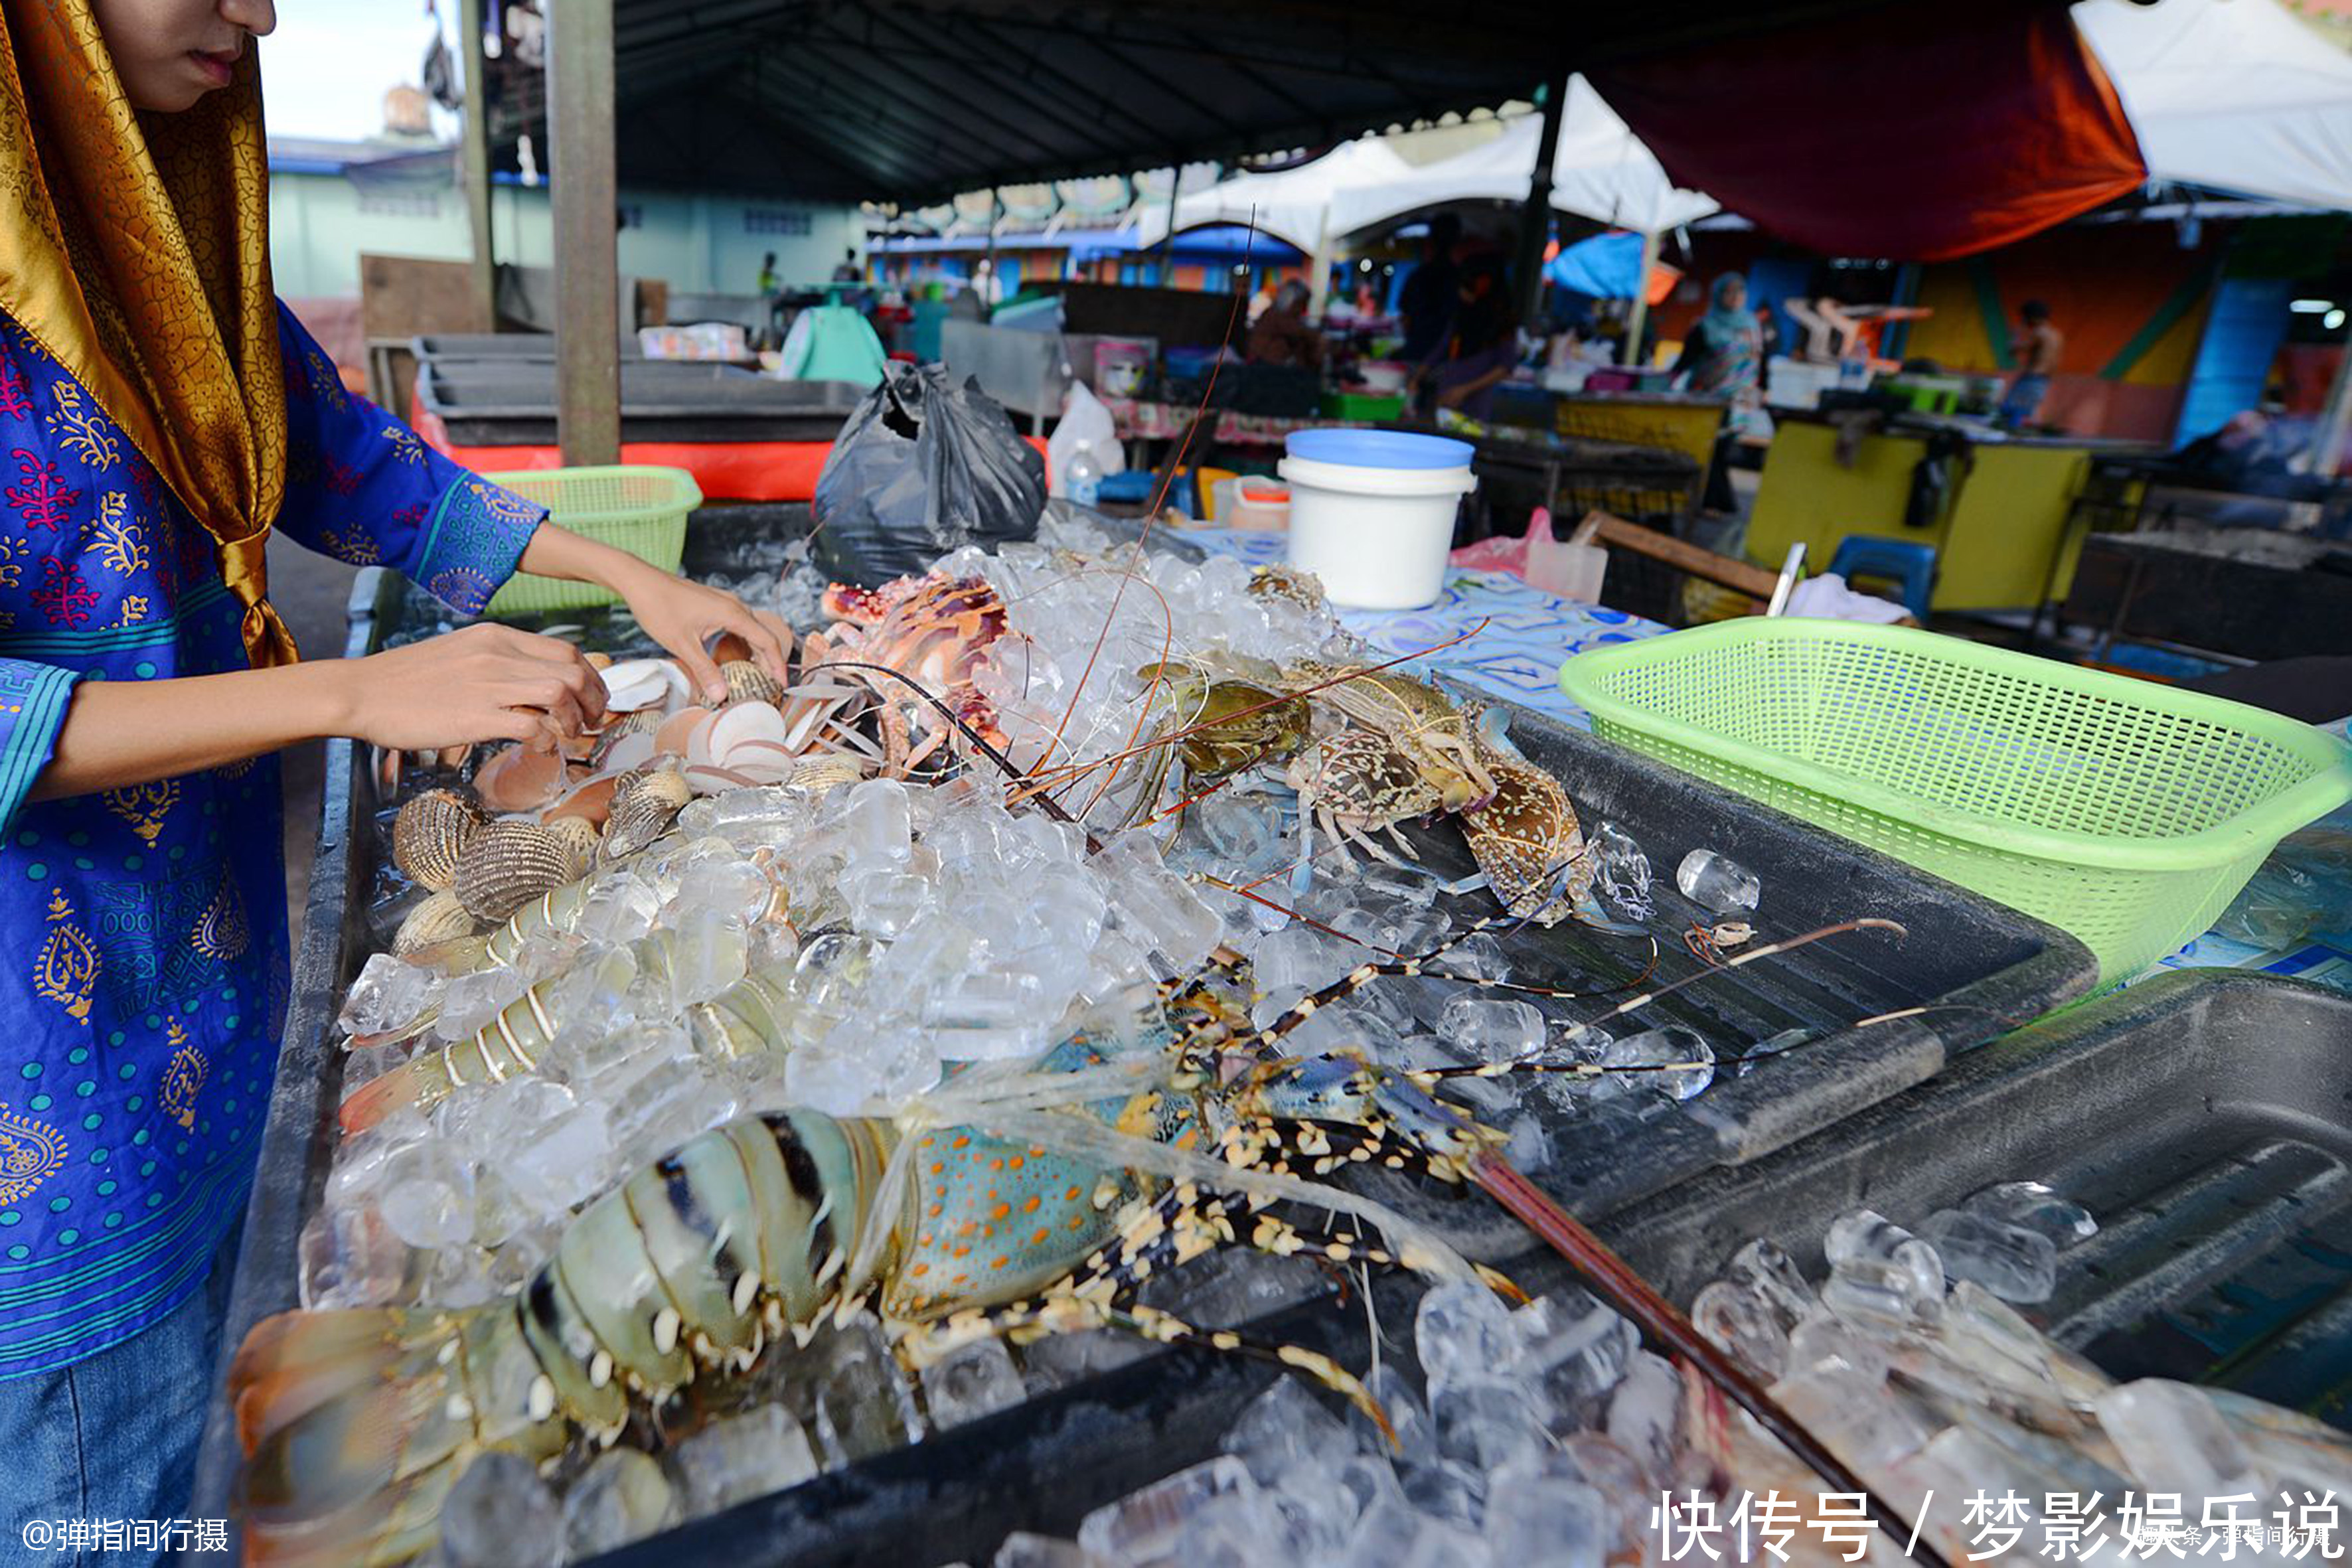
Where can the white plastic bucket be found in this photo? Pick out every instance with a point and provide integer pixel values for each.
(1377, 536)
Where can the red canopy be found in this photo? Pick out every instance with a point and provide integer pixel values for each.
(1915, 132)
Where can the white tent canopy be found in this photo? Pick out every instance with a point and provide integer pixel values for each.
(1601, 172)
(2236, 95)
(1289, 205)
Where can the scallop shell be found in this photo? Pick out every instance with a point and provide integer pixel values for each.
(508, 865)
(676, 730)
(590, 801)
(579, 837)
(747, 683)
(430, 833)
(644, 722)
(520, 779)
(635, 684)
(439, 919)
(643, 808)
(739, 725)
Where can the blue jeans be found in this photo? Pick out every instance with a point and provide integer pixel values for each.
(2023, 402)
(113, 1436)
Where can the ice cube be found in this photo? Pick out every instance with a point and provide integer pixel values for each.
(738, 1458)
(2173, 1440)
(1023, 1550)
(1541, 1513)
(427, 1198)
(499, 1514)
(1774, 1276)
(1716, 883)
(1822, 1335)
(1408, 1417)
(620, 908)
(2013, 1263)
(349, 1256)
(1475, 957)
(1673, 1061)
(1463, 1333)
(862, 1403)
(1491, 1028)
(1621, 872)
(1152, 1523)
(1853, 1411)
(621, 1497)
(1283, 1425)
(2035, 1207)
(565, 1164)
(1395, 1534)
(1742, 1321)
(1482, 1422)
(1446, 1489)
(1154, 906)
(877, 822)
(1864, 1236)
(1645, 1415)
(389, 993)
(1303, 958)
(971, 1380)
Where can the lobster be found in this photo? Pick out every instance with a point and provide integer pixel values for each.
(1064, 1190)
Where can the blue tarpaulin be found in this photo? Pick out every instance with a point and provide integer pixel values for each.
(1606, 267)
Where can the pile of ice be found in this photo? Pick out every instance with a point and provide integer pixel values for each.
(1547, 1436)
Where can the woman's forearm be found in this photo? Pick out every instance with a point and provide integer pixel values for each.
(120, 732)
(555, 551)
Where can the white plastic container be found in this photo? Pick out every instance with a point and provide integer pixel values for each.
(1372, 513)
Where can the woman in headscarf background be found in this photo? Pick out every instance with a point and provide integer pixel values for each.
(159, 414)
(1723, 354)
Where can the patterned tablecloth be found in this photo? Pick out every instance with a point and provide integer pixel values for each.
(1528, 633)
(1515, 655)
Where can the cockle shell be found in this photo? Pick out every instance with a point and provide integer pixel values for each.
(429, 835)
(580, 838)
(510, 863)
(643, 808)
(439, 918)
(747, 683)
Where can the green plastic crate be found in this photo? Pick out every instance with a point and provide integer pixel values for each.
(639, 508)
(2126, 813)
(1368, 406)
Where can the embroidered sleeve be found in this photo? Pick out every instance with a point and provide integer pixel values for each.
(33, 701)
(363, 488)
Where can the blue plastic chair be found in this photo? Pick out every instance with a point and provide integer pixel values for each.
(1911, 567)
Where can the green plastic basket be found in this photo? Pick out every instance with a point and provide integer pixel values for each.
(2126, 813)
(638, 508)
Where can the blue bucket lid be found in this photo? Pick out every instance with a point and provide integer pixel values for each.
(1379, 448)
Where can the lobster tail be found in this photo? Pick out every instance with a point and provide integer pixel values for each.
(356, 1424)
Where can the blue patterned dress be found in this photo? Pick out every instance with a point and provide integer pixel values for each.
(142, 933)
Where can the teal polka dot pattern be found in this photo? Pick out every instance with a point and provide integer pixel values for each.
(19, 1253)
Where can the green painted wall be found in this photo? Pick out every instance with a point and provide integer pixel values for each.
(699, 244)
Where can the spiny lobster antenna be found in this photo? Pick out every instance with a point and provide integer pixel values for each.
(1663, 1324)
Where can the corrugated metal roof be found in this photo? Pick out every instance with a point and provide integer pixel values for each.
(914, 99)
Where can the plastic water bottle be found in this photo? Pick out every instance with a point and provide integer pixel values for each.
(1082, 476)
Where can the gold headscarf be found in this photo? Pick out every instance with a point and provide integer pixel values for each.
(135, 249)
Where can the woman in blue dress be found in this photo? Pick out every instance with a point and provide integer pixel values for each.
(160, 414)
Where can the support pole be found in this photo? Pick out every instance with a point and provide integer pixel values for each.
(587, 239)
(1640, 313)
(1534, 216)
(484, 287)
(1318, 269)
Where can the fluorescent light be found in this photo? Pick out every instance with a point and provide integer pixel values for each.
(2310, 307)
(2333, 320)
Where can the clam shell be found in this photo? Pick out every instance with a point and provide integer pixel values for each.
(520, 779)
(580, 838)
(728, 647)
(429, 835)
(747, 683)
(643, 808)
(439, 919)
(510, 863)
(590, 802)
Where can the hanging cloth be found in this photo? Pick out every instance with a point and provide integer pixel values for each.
(135, 249)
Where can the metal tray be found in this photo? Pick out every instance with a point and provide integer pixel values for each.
(499, 346)
(2203, 1117)
(511, 402)
(1976, 967)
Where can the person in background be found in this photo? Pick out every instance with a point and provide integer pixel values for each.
(162, 414)
(1283, 335)
(847, 272)
(1722, 353)
(769, 282)
(1427, 300)
(2039, 344)
(1478, 351)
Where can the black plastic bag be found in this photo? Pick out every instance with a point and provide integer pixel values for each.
(923, 467)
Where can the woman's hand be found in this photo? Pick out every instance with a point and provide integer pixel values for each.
(682, 617)
(685, 617)
(486, 682)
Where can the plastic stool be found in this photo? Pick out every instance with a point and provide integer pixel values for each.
(1910, 566)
